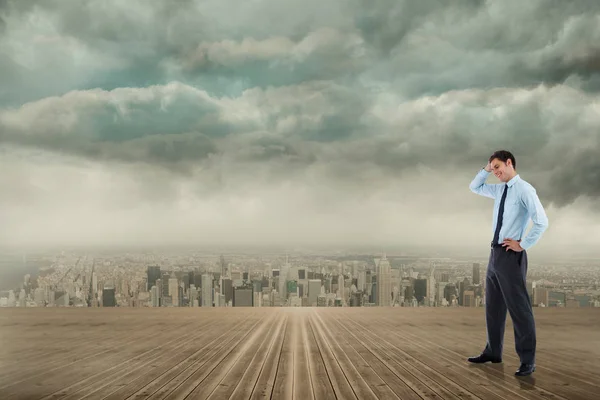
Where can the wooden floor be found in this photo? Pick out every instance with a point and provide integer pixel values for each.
(287, 353)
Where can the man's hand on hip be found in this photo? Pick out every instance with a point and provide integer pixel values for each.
(512, 244)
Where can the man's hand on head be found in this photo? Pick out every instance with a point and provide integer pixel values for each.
(514, 245)
(488, 167)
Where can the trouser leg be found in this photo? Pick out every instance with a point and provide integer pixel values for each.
(511, 274)
(495, 313)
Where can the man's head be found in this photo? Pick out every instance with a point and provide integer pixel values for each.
(503, 165)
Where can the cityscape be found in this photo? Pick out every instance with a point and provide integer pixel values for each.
(204, 279)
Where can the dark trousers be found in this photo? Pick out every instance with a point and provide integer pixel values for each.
(506, 289)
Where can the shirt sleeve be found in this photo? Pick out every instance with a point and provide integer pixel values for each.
(479, 186)
(538, 216)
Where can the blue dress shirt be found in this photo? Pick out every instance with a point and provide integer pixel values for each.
(521, 204)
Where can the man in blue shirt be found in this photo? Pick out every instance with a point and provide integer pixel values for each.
(515, 202)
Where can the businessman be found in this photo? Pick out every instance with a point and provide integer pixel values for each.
(515, 202)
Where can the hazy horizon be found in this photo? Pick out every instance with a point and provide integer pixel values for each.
(350, 124)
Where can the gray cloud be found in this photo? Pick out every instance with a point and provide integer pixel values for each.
(340, 131)
(319, 107)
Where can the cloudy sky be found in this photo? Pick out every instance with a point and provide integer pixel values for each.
(296, 121)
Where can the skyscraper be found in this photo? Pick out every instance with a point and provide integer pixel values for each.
(207, 290)
(476, 274)
(108, 296)
(243, 297)
(173, 290)
(314, 289)
(154, 296)
(227, 289)
(153, 276)
(384, 282)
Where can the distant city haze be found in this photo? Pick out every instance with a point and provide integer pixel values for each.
(348, 125)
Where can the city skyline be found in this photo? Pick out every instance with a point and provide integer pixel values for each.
(207, 279)
(293, 125)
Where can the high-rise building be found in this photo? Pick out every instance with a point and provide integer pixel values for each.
(179, 296)
(314, 289)
(193, 296)
(224, 267)
(108, 296)
(153, 275)
(154, 296)
(207, 290)
(174, 290)
(356, 300)
(227, 290)
(420, 289)
(384, 281)
(469, 298)
(165, 283)
(450, 291)
(476, 274)
(243, 297)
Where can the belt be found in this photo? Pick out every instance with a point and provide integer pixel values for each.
(496, 245)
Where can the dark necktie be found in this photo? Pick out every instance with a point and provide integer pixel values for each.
(500, 214)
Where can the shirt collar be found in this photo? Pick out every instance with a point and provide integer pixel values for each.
(513, 180)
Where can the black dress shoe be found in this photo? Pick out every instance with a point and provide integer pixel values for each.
(525, 369)
(483, 358)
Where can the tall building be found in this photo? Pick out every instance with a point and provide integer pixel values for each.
(420, 290)
(174, 290)
(314, 289)
(227, 290)
(431, 288)
(243, 297)
(450, 291)
(469, 298)
(154, 296)
(384, 282)
(207, 291)
(165, 283)
(362, 277)
(476, 274)
(193, 296)
(153, 276)
(108, 296)
(224, 267)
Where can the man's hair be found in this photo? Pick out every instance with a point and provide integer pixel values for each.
(504, 155)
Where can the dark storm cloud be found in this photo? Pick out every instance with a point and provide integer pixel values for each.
(360, 92)
(384, 24)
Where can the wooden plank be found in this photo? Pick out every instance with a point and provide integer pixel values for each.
(202, 383)
(421, 379)
(233, 373)
(266, 379)
(434, 354)
(378, 387)
(283, 386)
(302, 379)
(320, 383)
(547, 385)
(178, 379)
(339, 382)
(247, 383)
(40, 384)
(312, 352)
(125, 373)
(398, 386)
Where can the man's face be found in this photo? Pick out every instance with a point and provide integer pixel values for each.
(501, 169)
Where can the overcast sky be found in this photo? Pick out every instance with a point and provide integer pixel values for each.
(297, 121)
